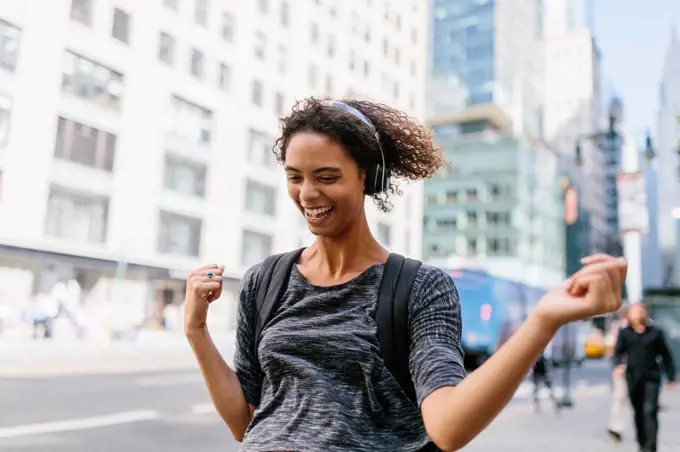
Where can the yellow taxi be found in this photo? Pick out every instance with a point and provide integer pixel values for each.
(595, 345)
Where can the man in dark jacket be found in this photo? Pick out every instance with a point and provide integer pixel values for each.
(639, 345)
(540, 374)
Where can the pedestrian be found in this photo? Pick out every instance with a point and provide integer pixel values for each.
(540, 374)
(321, 344)
(638, 347)
(619, 389)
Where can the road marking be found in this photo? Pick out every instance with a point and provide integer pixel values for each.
(78, 424)
(203, 408)
(170, 380)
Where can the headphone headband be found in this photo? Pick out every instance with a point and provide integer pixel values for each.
(380, 174)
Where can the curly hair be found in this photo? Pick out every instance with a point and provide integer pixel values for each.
(410, 153)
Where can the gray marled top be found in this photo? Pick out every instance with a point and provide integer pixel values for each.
(319, 383)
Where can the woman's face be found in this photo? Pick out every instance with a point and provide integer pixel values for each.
(324, 182)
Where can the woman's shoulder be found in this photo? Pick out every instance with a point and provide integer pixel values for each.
(433, 283)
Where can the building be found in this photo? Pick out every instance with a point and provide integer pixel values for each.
(135, 137)
(575, 119)
(668, 162)
(499, 205)
(479, 56)
(652, 268)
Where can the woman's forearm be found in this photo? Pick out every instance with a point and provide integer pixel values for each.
(453, 416)
(223, 384)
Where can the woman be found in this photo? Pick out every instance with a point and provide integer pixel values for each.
(317, 381)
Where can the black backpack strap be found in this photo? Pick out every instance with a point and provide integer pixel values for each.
(272, 281)
(391, 317)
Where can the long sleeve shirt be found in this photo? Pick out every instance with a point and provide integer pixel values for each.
(639, 351)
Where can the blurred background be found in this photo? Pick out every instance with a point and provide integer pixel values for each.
(135, 145)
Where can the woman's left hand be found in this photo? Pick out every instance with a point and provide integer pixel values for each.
(594, 290)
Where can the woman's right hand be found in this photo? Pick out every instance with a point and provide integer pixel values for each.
(204, 286)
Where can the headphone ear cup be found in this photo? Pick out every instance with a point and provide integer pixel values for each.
(377, 180)
(371, 184)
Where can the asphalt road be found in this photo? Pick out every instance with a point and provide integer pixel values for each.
(168, 412)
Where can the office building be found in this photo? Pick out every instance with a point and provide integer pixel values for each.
(136, 136)
(499, 205)
(480, 56)
(576, 119)
(668, 161)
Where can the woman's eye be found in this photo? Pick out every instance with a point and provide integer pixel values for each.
(293, 178)
(328, 180)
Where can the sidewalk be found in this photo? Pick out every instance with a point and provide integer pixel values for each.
(582, 428)
(151, 351)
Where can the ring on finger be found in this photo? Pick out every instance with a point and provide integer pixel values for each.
(210, 275)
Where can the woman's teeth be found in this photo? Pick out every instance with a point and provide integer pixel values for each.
(317, 212)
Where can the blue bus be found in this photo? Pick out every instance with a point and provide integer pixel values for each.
(493, 309)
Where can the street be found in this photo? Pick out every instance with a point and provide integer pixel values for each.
(146, 411)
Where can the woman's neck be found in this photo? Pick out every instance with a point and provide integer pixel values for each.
(353, 251)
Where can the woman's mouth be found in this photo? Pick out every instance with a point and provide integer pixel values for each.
(317, 213)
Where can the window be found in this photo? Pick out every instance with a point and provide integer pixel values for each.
(283, 59)
(5, 111)
(494, 218)
(352, 60)
(311, 76)
(279, 104)
(367, 68)
(121, 26)
(85, 145)
(314, 33)
(184, 177)
(471, 246)
(77, 217)
(225, 77)
(197, 63)
(255, 247)
(260, 198)
(285, 14)
(91, 81)
(331, 46)
(446, 223)
(179, 234)
(329, 85)
(166, 48)
(260, 45)
(384, 234)
(171, 4)
(201, 12)
(81, 11)
(472, 218)
(451, 196)
(263, 6)
(227, 27)
(189, 121)
(256, 94)
(9, 46)
(261, 152)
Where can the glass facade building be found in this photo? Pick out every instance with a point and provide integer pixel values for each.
(463, 47)
(500, 200)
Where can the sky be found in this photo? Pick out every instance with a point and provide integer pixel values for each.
(633, 36)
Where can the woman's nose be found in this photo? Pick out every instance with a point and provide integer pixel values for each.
(309, 191)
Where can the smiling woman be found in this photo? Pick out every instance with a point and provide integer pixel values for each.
(343, 346)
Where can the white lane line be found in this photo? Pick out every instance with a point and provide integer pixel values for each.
(78, 424)
(169, 380)
(203, 408)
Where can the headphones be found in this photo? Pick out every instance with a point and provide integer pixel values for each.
(377, 176)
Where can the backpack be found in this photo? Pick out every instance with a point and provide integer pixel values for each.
(391, 314)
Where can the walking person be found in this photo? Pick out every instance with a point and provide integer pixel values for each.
(619, 389)
(344, 346)
(638, 347)
(540, 374)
